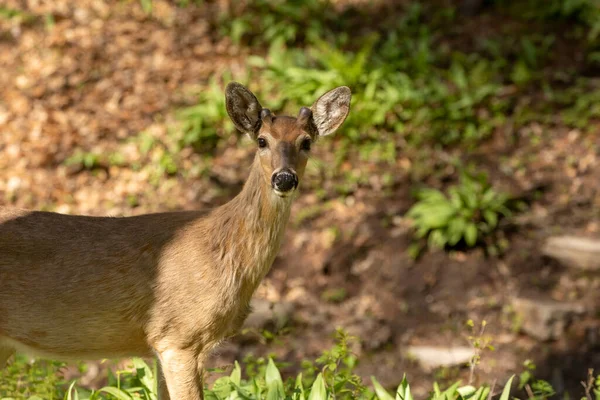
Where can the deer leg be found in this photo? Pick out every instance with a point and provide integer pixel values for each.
(163, 390)
(5, 353)
(181, 375)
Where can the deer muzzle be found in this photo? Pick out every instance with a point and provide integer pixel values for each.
(284, 181)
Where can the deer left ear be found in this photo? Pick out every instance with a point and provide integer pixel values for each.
(331, 109)
(243, 108)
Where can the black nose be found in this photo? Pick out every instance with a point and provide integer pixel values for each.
(284, 181)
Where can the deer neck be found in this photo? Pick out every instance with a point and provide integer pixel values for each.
(249, 230)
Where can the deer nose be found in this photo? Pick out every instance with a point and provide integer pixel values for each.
(284, 181)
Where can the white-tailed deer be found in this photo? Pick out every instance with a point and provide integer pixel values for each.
(171, 284)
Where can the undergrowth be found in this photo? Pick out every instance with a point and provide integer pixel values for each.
(331, 376)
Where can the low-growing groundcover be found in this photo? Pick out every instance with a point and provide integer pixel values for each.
(331, 376)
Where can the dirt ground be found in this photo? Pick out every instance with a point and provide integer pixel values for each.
(100, 74)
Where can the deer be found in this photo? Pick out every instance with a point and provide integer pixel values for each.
(170, 285)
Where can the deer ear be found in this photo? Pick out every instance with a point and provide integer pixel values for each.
(243, 108)
(331, 109)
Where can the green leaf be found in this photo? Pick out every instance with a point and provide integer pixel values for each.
(318, 391)
(466, 391)
(144, 373)
(471, 234)
(222, 387)
(242, 393)
(456, 229)
(455, 198)
(524, 378)
(479, 394)
(431, 195)
(437, 239)
(484, 393)
(403, 392)
(69, 395)
(506, 391)
(382, 394)
(274, 382)
(236, 374)
(118, 393)
(438, 216)
(451, 391)
(299, 388)
(273, 392)
(491, 218)
(488, 196)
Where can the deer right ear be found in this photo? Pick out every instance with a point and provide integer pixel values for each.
(243, 108)
(331, 109)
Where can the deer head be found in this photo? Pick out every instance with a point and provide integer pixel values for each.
(284, 143)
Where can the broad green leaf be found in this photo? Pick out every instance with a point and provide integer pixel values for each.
(451, 391)
(144, 373)
(478, 394)
(466, 391)
(471, 234)
(439, 216)
(506, 391)
(431, 195)
(456, 229)
(488, 196)
(469, 197)
(382, 394)
(210, 395)
(455, 198)
(491, 218)
(273, 392)
(318, 391)
(222, 387)
(273, 379)
(236, 374)
(437, 239)
(242, 392)
(485, 391)
(233, 395)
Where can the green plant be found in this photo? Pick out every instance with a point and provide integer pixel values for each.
(468, 213)
(591, 386)
(480, 343)
(330, 377)
(261, 22)
(204, 124)
(537, 389)
(34, 380)
(455, 391)
(86, 160)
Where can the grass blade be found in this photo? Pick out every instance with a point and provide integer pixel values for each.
(506, 391)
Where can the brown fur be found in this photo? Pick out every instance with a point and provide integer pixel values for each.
(172, 284)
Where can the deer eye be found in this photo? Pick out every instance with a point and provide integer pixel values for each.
(262, 143)
(306, 144)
